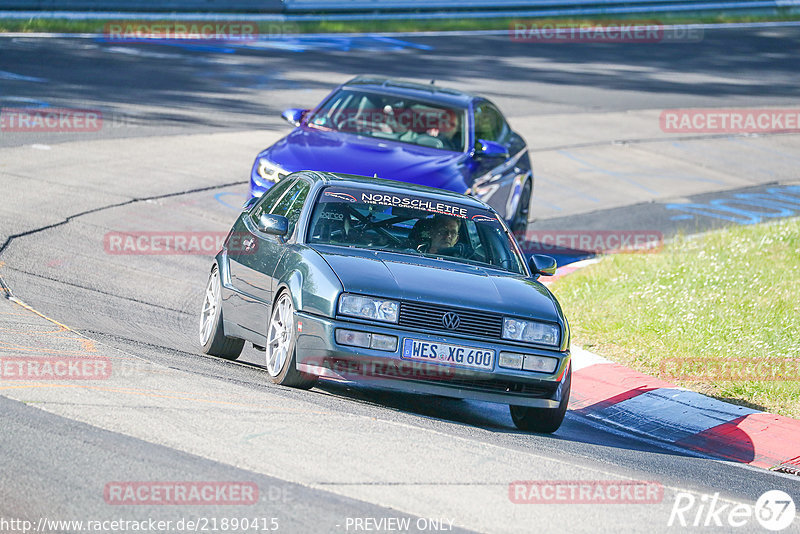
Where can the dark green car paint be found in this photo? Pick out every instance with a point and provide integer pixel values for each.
(316, 275)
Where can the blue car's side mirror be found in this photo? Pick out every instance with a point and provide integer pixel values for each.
(490, 149)
(544, 265)
(273, 224)
(294, 115)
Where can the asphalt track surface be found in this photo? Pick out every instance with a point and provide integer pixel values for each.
(181, 125)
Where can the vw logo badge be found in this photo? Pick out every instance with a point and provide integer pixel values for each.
(451, 320)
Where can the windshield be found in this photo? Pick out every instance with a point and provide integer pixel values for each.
(413, 225)
(394, 118)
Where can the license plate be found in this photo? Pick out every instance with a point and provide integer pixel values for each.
(455, 355)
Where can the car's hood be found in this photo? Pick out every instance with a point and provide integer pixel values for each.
(400, 276)
(317, 150)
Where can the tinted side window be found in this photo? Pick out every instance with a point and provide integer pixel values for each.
(489, 123)
(269, 198)
(291, 204)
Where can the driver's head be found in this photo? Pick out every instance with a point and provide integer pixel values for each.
(444, 233)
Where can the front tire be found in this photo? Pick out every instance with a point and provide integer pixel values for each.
(281, 351)
(543, 420)
(213, 340)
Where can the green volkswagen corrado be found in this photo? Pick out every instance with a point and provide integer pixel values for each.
(413, 288)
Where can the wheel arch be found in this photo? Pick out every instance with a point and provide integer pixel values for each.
(221, 261)
(293, 284)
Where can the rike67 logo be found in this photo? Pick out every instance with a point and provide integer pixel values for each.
(774, 510)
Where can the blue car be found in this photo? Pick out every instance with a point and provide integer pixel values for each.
(422, 134)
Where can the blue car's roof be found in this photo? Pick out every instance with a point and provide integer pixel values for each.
(429, 92)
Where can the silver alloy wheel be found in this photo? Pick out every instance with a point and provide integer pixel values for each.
(210, 305)
(279, 336)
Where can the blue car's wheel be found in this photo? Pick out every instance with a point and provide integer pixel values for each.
(212, 337)
(280, 350)
(545, 420)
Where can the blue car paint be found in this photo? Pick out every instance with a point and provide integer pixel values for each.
(352, 154)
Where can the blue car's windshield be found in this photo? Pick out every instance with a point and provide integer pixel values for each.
(413, 224)
(391, 117)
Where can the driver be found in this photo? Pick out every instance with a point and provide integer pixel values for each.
(444, 237)
(448, 130)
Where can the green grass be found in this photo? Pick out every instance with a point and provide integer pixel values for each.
(403, 25)
(711, 313)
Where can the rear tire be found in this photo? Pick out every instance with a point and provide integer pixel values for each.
(213, 340)
(281, 351)
(543, 420)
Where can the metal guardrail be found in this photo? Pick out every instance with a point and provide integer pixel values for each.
(428, 5)
(332, 6)
(385, 9)
(493, 7)
(462, 5)
(274, 6)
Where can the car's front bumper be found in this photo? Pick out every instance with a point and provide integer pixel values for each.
(319, 354)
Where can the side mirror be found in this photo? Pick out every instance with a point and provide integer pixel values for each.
(273, 224)
(544, 265)
(490, 149)
(294, 115)
(249, 204)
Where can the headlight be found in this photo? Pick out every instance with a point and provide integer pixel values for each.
(369, 308)
(269, 171)
(530, 331)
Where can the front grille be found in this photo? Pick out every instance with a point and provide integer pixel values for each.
(429, 317)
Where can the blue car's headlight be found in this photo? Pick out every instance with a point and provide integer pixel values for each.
(369, 308)
(269, 171)
(530, 331)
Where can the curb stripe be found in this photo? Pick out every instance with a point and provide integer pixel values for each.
(623, 398)
(605, 384)
(760, 439)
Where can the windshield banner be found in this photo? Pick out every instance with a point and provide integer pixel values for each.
(400, 200)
